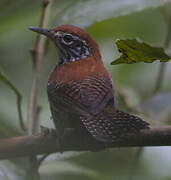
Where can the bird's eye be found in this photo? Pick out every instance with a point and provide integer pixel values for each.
(67, 39)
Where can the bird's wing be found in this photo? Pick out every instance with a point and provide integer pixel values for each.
(85, 97)
(112, 125)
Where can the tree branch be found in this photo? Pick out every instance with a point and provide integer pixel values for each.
(46, 142)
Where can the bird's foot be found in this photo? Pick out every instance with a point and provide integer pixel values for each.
(47, 131)
(56, 134)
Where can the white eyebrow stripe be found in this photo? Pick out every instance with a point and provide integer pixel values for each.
(59, 33)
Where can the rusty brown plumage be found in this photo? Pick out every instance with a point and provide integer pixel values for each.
(80, 90)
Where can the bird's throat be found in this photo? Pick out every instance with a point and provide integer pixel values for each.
(73, 54)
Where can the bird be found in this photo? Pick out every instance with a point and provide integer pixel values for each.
(81, 91)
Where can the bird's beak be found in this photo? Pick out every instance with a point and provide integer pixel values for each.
(46, 32)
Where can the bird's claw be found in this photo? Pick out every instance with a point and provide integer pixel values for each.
(48, 131)
(61, 137)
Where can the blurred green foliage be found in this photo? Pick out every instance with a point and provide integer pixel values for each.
(128, 19)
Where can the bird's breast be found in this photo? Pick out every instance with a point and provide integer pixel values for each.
(83, 86)
(78, 70)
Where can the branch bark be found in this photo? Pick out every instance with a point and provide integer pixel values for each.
(46, 142)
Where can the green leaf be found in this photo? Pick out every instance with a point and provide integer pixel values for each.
(7, 82)
(84, 13)
(134, 51)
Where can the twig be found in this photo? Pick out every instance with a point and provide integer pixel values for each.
(40, 160)
(5, 80)
(33, 172)
(45, 142)
(36, 124)
(135, 164)
(37, 56)
(19, 102)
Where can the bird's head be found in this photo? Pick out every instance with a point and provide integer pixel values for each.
(74, 43)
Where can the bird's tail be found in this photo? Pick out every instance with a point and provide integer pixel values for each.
(113, 125)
